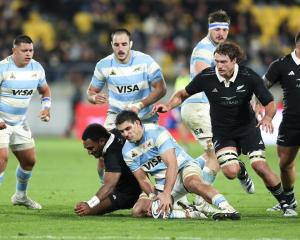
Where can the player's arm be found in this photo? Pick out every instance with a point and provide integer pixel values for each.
(158, 90)
(266, 121)
(144, 182)
(95, 96)
(169, 158)
(174, 101)
(45, 93)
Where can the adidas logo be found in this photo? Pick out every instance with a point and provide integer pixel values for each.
(215, 90)
(261, 142)
(291, 73)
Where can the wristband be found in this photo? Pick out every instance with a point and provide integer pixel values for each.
(94, 201)
(46, 102)
(152, 196)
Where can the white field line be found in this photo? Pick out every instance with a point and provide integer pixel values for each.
(51, 237)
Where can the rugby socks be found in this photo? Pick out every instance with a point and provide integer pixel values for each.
(219, 201)
(201, 161)
(1, 178)
(23, 177)
(278, 193)
(208, 175)
(290, 195)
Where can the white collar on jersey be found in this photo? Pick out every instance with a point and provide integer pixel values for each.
(295, 58)
(109, 142)
(232, 79)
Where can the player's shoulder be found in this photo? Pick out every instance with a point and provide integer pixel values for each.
(204, 43)
(141, 57)
(105, 62)
(246, 71)
(36, 64)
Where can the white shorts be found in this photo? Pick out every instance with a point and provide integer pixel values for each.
(18, 137)
(179, 189)
(196, 117)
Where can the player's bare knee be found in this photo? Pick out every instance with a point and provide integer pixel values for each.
(192, 181)
(228, 162)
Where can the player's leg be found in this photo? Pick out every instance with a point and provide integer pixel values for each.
(193, 182)
(23, 147)
(4, 143)
(232, 168)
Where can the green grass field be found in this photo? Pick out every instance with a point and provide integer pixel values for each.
(65, 174)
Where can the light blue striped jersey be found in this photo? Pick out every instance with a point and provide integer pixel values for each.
(146, 153)
(204, 52)
(17, 86)
(127, 83)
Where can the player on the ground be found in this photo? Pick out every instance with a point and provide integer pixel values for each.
(134, 81)
(286, 71)
(120, 190)
(20, 77)
(151, 149)
(229, 88)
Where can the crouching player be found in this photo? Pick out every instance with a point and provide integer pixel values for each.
(120, 189)
(151, 149)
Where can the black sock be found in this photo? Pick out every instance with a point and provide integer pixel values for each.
(290, 195)
(243, 172)
(278, 193)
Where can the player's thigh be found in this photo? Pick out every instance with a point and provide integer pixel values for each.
(21, 138)
(226, 151)
(196, 116)
(287, 155)
(110, 120)
(4, 144)
(288, 137)
(191, 175)
(123, 200)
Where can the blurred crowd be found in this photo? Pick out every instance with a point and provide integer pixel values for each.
(74, 34)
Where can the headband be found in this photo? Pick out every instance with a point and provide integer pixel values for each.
(218, 25)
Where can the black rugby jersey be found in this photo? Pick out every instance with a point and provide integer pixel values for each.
(287, 73)
(230, 109)
(114, 162)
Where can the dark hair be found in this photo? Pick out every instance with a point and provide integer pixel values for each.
(119, 31)
(297, 38)
(230, 49)
(218, 16)
(127, 116)
(22, 39)
(94, 132)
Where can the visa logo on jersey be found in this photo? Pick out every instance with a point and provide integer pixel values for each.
(128, 88)
(152, 163)
(22, 92)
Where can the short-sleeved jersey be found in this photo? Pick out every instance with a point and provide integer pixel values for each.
(287, 73)
(146, 154)
(127, 83)
(204, 52)
(230, 109)
(17, 86)
(114, 162)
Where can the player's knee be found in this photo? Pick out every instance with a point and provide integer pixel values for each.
(190, 182)
(228, 162)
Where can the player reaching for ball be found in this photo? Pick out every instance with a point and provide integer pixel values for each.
(20, 77)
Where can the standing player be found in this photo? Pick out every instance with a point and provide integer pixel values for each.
(151, 149)
(120, 189)
(286, 71)
(20, 77)
(229, 88)
(195, 109)
(134, 81)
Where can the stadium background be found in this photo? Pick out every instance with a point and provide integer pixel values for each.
(71, 36)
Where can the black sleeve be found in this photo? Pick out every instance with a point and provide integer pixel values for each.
(112, 161)
(195, 85)
(260, 90)
(273, 72)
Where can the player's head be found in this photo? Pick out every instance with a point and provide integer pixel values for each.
(218, 26)
(129, 125)
(22, 50)
(94, 138)
(226, 55)
(121, 44)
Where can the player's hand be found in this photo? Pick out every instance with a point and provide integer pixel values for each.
(266, 124)
(160, 107)
(259, 111)
(100, 98)
(165, 203)
(45, 115)
(82, 209)
(2, 125)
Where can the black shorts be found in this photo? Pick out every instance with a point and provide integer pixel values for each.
(288, 137)
(123, 200)
(250, 142)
